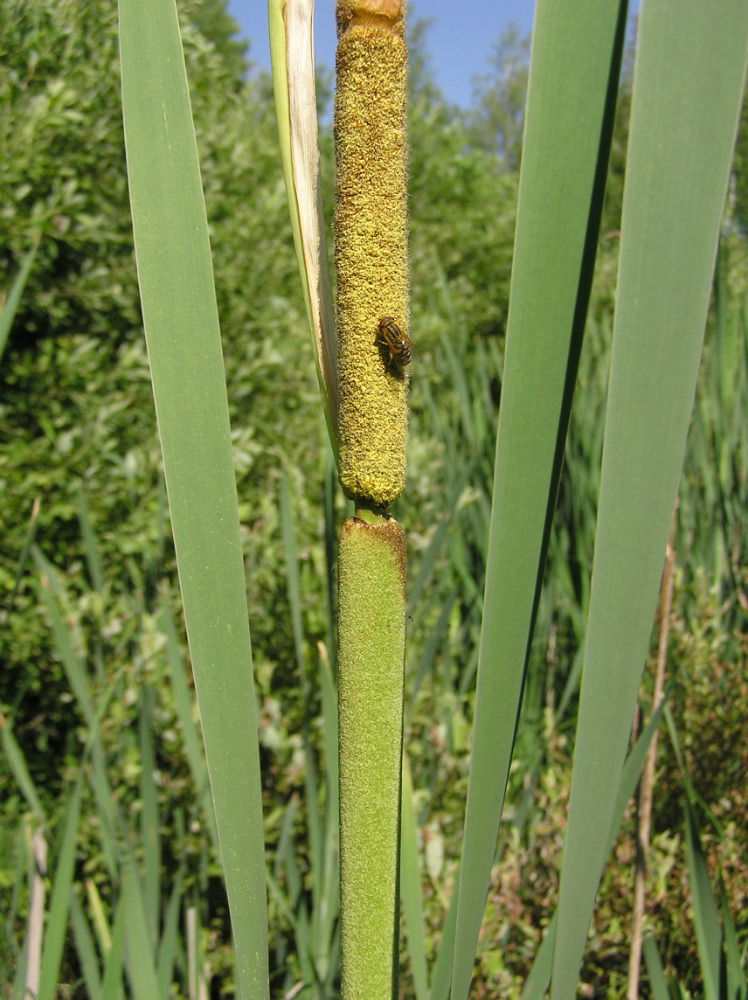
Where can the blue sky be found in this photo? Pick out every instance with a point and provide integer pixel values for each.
(459, 41)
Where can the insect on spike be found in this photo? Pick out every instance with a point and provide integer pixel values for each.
(395, 342)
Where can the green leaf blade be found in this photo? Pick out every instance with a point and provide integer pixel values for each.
(567, 138)
(410, 886)
(181, 323)
(57, 919)
(687, 87)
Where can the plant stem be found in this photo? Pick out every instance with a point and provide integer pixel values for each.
(646, 786)
(371, 640)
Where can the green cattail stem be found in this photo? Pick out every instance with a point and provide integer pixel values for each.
(371, 644)
(371, 246)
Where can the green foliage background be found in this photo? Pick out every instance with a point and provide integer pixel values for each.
(77, 434)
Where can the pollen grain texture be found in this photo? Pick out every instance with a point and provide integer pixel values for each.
(371, 245)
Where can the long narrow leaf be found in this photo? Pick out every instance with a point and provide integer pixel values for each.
(540, 974)
(737, 985)
(139, 957)
(183, 703)
(167, 946)
(571, 98)
(57, 919)
(19, 768)
(657, 981)
(293, 583)
(410, 886)
(84, 945)
(111, 986)
(331, 867)
(184, 349)
(10, 306)
(687, 86)
(22, 562)
(441, 977)
(314, 823)
(90, 546)
(149, 814)
(705, 913)
(52, 593)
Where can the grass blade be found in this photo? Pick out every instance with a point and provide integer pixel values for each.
(567, 137)
(183, 702)
(10, 306)
(184, 349)
(52, 593)
(149, 816)
(441, 977)
(141, 970)
(57, 919)
(167, 946)
(84, 945)
(705, 914)
(410, 886)
(89, 541)
(293, 584)
(737, 986)
(318, 838)
(536, 983)
(23, 559)
(331, 865)
(657, 981)
(19, 768)
(687, 88)
(540, 974)
(111, 986)
(98, 917)
(52, 590)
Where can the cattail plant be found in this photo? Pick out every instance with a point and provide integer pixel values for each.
(690, 70)
(366, 394)
(373, 353)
